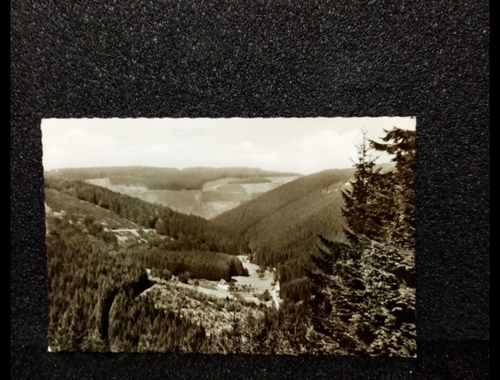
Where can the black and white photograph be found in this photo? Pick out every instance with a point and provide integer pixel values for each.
(288, 236)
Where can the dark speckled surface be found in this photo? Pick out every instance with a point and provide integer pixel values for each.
(267, 59)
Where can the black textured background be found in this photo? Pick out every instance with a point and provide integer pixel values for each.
(254, 58)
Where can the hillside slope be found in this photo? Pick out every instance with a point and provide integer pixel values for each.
(106, 293)
(283, 223)
(61, 208)
(214, 198)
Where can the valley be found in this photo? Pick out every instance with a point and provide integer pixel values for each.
(246, 263)
(213, 199)
(246, 288)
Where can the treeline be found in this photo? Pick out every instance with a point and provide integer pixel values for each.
(279, 228)
(208, 265)
(379, 205)
(372, 276)
(161, 178)
(296, 290)
(372, 281)
(98, 303)
(91, 296)
(254, 179)
(269, 203)
(81, 276)
(137, 325)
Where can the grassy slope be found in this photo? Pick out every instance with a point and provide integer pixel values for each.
(250, 180)
(243, 217)
(182, 201)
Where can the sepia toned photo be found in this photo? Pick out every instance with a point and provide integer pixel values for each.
(256, 236)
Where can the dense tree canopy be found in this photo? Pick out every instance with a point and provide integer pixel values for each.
(362, 291)
(400, 143)
(379, 205)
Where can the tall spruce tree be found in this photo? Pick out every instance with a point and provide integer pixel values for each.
(324, 260)
(400, 187)
(359, 211)
(378, 205)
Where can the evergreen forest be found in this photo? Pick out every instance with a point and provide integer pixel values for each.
(335, 249)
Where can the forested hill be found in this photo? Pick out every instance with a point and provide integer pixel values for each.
(283, 223)
(188, 231)
(158, 178)
(98, 273)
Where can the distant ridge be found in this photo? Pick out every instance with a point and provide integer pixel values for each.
(162, 178)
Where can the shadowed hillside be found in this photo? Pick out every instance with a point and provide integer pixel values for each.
(283, 223)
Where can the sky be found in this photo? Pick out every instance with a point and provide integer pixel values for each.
(299, 145)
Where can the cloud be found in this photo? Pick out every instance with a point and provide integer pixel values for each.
(78, 138)
(250, 154)
(266, 157)
(245, 147)
(298, 145)
(192, 131)
(326, 149)
(158, 148)
(65, 149)
(248, 147)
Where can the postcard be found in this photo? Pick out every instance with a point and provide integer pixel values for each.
(243, 235)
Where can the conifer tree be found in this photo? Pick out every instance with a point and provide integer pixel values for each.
(379, 205)
(359, 197)
(401, 144)
(324, 260)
